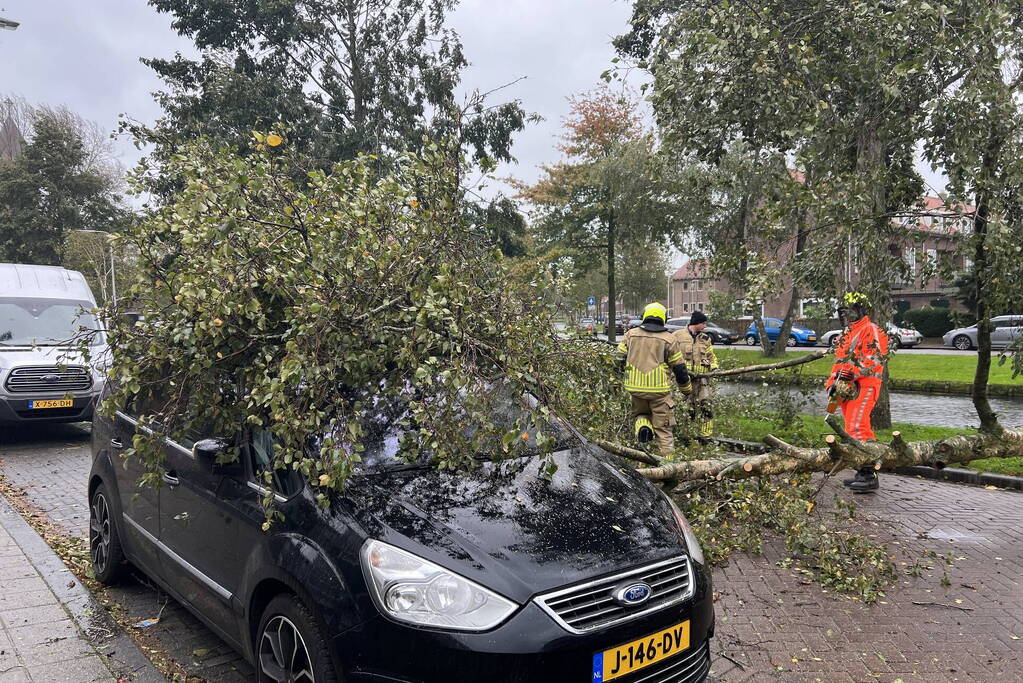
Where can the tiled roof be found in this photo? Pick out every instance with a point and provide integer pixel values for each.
(690, 269)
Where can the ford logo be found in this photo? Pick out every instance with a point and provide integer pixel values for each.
(50, 379)
(632, 594)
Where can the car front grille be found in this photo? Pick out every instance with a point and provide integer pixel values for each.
(686, 668)
(587, 607)
(41, 379)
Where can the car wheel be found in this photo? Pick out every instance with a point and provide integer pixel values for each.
(290, 646)
(751, 340)
(896, 344)
(833, 340)
(962, 342)
(792, 341)
(108, 563)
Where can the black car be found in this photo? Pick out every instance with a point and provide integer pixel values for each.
(717, 334)
(414, 574)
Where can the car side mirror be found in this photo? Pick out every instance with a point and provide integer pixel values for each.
(209, 450)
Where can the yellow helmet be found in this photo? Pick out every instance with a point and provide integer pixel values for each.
(855, 299)
(655, 310)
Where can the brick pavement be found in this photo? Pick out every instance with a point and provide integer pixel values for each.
(38, 640)
(970, 630)
(767, 616)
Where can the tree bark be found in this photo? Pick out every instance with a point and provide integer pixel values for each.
(799, 360)
(611, 293)
(839, 454)
(988, 418)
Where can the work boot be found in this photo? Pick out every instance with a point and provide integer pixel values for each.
(864, 482)
(860, 476)
(645, 434)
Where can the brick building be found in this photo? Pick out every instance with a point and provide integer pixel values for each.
(930, 246)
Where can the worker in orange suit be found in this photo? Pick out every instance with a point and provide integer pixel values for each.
(857, 375)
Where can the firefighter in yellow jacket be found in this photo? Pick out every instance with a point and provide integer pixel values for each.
(648, 356)
(698, 353)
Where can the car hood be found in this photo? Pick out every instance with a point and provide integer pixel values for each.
(510, 528)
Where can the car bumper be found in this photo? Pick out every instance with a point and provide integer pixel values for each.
(530, 646)
(17, 410)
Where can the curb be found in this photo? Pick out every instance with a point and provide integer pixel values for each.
(961, 476)
(122, 655)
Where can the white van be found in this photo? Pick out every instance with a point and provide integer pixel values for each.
(43, 376)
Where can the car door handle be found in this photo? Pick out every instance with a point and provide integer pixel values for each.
(115, 443)
(170, 479)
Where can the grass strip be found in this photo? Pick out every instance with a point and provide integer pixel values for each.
(915, 366)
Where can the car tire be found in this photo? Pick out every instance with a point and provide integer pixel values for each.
(108, 561)
(792, 341)
(833, 340)
(896, 344)
(962, 342)
(286, 621)
(750, 340)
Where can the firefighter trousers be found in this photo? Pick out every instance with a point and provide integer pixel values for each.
(857, 411)
(659, 408)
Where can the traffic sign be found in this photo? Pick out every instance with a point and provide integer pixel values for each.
(591, 301)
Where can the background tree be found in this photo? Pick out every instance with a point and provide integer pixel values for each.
(608, 191)
(347, 76)
(975, 135)
(842, 89)
(57, 184)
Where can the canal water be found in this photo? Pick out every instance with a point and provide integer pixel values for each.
(914, 408)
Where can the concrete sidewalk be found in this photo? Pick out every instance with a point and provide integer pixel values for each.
(51, 629)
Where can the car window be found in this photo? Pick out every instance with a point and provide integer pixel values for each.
(260, 452)
(153, 400)
(773, 324)
(1002, 322)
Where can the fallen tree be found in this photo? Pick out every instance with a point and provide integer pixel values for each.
(840, 451)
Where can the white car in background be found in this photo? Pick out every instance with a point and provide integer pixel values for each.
(899, 337)
(44, 377)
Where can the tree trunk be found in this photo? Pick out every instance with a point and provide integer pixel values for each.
(988, 418)
(839, 454)
(870, 162)
(611, 293)
(779, 346)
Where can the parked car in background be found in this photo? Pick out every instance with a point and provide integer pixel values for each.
(504, 573)
(1005, 331)
(899, 337)
(798, 336)
(717, 334)
(587, 326)
(43, 376)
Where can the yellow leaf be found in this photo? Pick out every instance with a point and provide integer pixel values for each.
(257, 135)
(273, 139)
(324, 480)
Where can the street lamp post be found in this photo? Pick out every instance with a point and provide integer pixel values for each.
(110, 251)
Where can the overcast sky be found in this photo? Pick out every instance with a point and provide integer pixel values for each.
(85, 54)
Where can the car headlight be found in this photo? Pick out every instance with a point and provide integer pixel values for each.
(411, 589)
(695, 551)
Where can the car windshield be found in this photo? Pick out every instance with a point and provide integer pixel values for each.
(384, 426)
(44, 322)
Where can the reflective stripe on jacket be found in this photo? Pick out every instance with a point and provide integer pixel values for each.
(697, 352)
(861, 350)
(648, 357)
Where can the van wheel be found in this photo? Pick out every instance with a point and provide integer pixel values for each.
(105, 551)
(751, 340)
(962, 342)
(290, 647)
